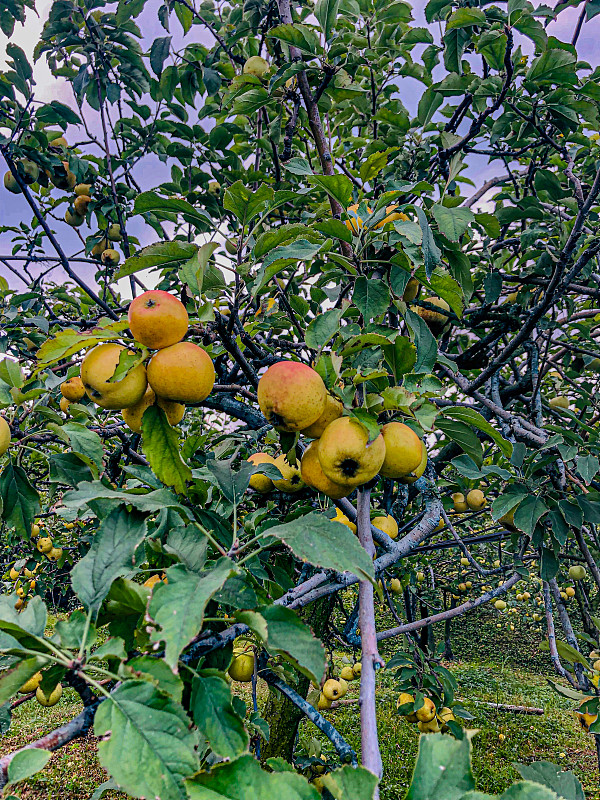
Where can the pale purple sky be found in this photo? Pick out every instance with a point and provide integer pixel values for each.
(13, 208)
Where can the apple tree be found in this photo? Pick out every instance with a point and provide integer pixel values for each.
(299, 317)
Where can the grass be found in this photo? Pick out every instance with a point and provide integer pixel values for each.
(493, 665)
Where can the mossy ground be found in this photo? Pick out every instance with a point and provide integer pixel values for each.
(492, 665)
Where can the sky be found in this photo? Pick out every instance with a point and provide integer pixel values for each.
(13, 208)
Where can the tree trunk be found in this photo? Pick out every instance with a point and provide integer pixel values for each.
(280, 713)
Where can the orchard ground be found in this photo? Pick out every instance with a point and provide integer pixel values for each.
(491, 665)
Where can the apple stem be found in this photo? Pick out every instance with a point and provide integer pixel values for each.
(371, 660)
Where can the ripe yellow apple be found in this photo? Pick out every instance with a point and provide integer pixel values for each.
(64, 405)
(395, 586)
(291, 480)
(32, 684)
(387, 524)
(291, 395)
(63, 178)
(570, 591)
(347, 674)
(460, 504)
(427, 711)
(392, 214)
(323, 703)
(99, 366)
(157, 319)
(133, 415)
(13, 574)
(434, 319)
(73, 389)
(354, 222)
(214, 188)
(110, 257)
(114, 232)
(577, 572)
(5, 436)
(81, 203)
(74, 220)
(242, 667)
(560, 401)
(260, 483)
(51, 699)
(44, 545)
(83, 189)
(313, 475)
(182, 372)
(476, 500)
(346, 455)
(343, 686)
(35, 531)
(446, 714)
(333, 409)
(332, 689)
(357, 669)
(464, 562)
(500, 605)
(343, 519)
(54, 554)
(10, 183)
(433, 726)
(257, 66)
(404, 698)
(418, 472)
(403, 450)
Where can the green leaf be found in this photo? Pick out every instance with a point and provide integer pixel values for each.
(465, 17)
(337, 186)
(300, 36)
(290, 637)
(565, 784)
(245, 203)
(529, 512)
(323, 328)
(215, 717)
(153, 731)
(160, 254)
(526, 790)
(326, 12)
(371, 297)
(424, 341)
(20, 501)
(401, 356)
(159, 52)
(111, 556)
(444, 285)
(428, 105)
(284, 234)
(357, 783)
(85, 443)
(193, 272)
(473, 417)
(160, 444)
(68, 342)
(373, 165)
(91, 491)
(243, 779)
(511, 498)
(26, 763)
(443, 769)
(553, 66)
(464, 437)
(165, 206)
(157, 672)
(189, 545)
(453, 222)
(324, 543)
(178, 606)
(588, 467)
(334, 229)
(431, 252)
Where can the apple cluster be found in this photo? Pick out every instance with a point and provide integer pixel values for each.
(177, 373)
(341, 457)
